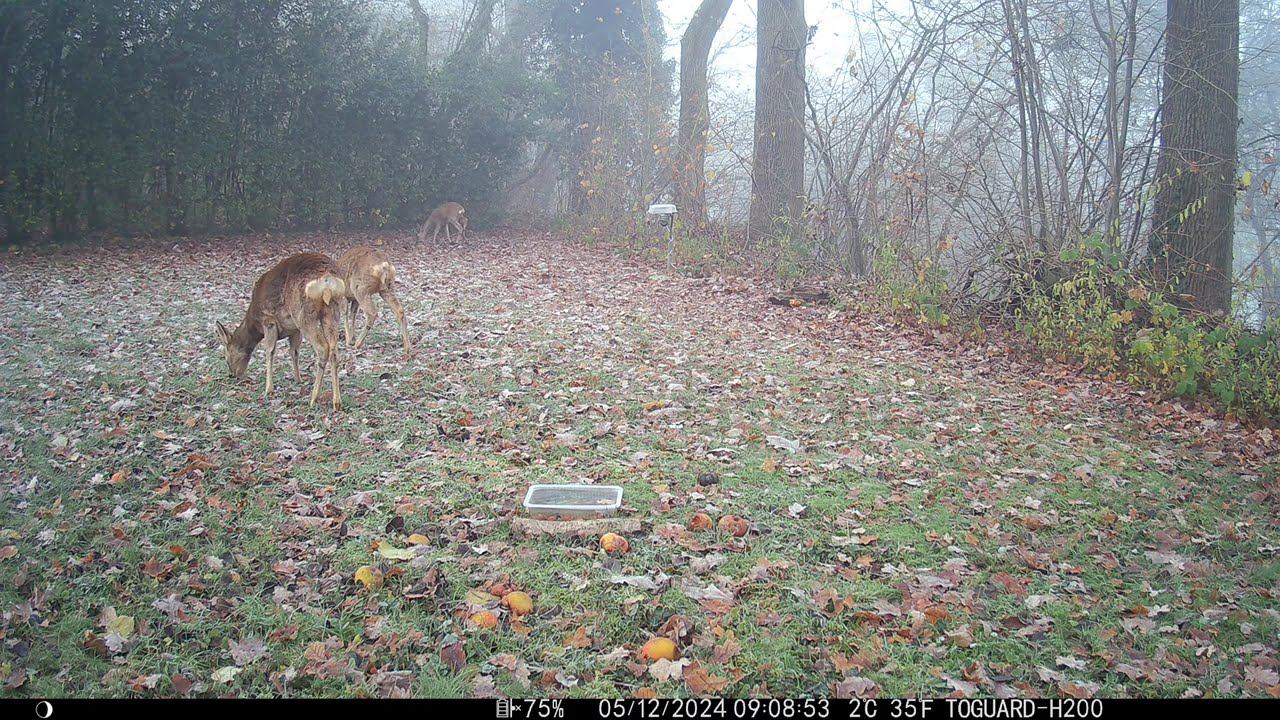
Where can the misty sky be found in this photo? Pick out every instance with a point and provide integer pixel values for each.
(735, 53)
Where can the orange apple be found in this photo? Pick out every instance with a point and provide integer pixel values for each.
(485, 619)
(701, 521)
(614, 544)
(734, 525)
(518, 602)
(658, 648)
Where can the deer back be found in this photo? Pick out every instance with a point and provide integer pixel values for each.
(365, 271)
(297, 294)
(448, 211)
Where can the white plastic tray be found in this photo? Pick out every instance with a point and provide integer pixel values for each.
(572, 502)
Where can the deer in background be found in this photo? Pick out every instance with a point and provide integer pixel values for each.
(297, 298)
(448, 215)
(367, 272)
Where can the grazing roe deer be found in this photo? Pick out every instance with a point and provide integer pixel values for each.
(367, 272)
(299, 296)
(450, 214)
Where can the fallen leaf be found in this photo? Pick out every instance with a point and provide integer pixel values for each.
(370, 577)
(855, 686)
(782, 443)
(454, 655)
(390, 552)
(247, 651)
(664, 669)
(701, 682)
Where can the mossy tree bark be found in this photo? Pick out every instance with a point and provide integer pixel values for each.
(1193, 216)
(777, 164)
(695, 115)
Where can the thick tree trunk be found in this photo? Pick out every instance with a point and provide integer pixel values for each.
(1195, 202)
(777, 165)
(695, 115)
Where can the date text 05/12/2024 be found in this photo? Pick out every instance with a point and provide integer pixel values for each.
(822, 709)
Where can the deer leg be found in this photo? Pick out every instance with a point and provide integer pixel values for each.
(462, 231)
(349, 320)
(370, 316)
(322, 359)
(397, 309)
(295, 342)
(269, 339)
(333, 372)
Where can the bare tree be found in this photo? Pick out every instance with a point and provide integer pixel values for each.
(424, 26)
(695, 119)
(478, 28)
(1195, 201)
(1118, 33)
(777, 165)
(1257, 251)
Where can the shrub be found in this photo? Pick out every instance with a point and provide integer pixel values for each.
(1113, 321)
(920, 287)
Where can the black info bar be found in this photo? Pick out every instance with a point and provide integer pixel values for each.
(620, 709)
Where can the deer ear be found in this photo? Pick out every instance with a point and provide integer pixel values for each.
(223, 334)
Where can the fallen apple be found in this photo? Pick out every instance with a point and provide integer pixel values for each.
(734, 525)
(614, 544)
(701, 521)
(518, 602)
(658, 648)
(485, 619)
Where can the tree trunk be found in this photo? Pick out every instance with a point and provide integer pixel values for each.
(695, 115)
(777, 165)
(424, 26)
(476, 37)
(1195, 200)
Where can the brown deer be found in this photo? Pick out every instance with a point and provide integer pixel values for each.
(367, 272)
(298, 297)
(448, 215)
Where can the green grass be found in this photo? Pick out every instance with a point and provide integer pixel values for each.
(990, 550)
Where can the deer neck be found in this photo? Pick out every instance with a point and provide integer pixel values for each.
(247, 335)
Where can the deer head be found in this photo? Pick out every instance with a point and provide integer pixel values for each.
(236, 355)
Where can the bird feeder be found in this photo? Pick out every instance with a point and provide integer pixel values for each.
(665, 215)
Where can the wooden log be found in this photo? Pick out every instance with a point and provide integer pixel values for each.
(596, 526)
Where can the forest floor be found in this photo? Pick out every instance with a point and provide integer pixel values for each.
(927, 515)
